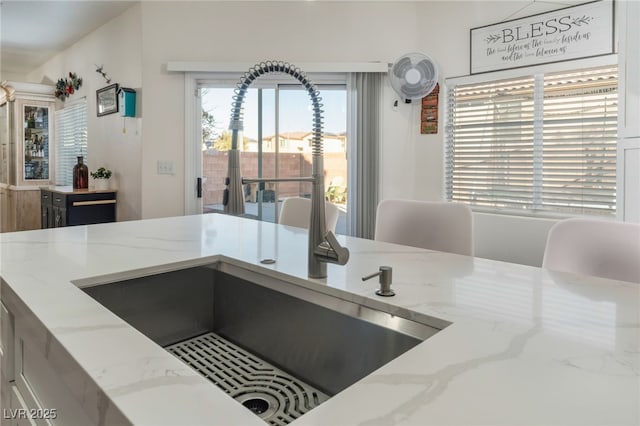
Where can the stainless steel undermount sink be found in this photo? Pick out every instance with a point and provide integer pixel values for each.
(278, 348)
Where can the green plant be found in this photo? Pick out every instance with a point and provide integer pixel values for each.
(66, 88)
(101, 173)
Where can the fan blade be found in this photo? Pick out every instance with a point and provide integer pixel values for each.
(427, 69)
(411, 91)
(401, 67)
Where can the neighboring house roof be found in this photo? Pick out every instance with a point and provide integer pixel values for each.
(304, 136)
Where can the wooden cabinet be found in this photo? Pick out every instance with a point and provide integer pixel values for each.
(26, 152)
(63, 206)
(4, 208)
(19, 208)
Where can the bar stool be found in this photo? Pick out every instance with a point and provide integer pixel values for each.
(441, 226)
(595, 247)
(296, 211)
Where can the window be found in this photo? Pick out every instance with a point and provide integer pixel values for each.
(71, 140)
(542, 144)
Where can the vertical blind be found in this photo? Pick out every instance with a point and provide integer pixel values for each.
(542, 144)
(71, 140)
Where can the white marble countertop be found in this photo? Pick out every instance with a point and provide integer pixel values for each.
(525, 346)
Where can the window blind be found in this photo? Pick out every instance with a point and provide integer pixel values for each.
(71, 140)
(542, 144)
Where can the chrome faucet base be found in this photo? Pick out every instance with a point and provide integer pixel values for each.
(388, 293)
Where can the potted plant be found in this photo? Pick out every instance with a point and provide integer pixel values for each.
(101, 178)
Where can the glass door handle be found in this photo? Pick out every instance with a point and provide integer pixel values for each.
(199, 187)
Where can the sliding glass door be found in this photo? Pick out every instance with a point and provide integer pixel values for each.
(276, 143)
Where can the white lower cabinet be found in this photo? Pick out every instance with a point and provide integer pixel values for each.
(629, 179)
(32, 390)
(18, 413)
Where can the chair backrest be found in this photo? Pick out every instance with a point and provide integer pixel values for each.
(600, 248)
(439, 226)
(296, 211)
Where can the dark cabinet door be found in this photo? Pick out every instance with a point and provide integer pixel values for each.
(44, 217)
(47, 216)
(59, 216)
(46, 209)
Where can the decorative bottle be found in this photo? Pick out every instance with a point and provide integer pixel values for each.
(80, 175)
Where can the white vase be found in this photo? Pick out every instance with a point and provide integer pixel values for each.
(101, 184)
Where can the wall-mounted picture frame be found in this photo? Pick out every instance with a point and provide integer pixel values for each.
(574, 32)
(107, 100)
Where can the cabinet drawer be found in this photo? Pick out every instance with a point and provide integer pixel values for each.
(45, 197)
(59, 200)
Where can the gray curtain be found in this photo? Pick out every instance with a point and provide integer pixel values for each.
(368, 99)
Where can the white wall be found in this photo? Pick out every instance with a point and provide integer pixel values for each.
(323, 32)
(412, 164)
(117, 46)
(251, 32)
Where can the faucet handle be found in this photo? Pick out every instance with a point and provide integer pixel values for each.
(331, 250)
(385, 273)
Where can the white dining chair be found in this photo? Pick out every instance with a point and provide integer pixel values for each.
(595, 247)
(441, 226)
(296, 211)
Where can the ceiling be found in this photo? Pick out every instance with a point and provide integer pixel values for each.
(32, 32)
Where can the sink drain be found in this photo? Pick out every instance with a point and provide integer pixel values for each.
(272, 394)
(261, 404)
(256, 405)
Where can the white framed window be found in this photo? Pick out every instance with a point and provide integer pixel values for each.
(71, 140)
(541, 144)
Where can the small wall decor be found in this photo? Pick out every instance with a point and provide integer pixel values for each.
(429, 113)
(102, 73)
(107, 100)
(574, 32)
(67, 87)
(127, 102)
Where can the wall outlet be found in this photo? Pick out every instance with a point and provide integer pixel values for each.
(165, 167)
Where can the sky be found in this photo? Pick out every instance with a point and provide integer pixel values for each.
(295, 110)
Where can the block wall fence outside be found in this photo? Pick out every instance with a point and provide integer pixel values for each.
(214, 168)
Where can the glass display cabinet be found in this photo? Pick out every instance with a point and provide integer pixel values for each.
(35, 142)
(26, 152)
(27, 133)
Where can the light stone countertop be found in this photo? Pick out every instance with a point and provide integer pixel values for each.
(525, 345)
(69, 190)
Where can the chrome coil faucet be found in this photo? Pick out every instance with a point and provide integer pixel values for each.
(323, 245)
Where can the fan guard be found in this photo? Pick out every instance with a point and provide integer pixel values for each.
(413, 76)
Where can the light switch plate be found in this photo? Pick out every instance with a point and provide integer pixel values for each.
(165, 167)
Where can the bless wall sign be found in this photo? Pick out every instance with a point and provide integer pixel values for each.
(574, 32)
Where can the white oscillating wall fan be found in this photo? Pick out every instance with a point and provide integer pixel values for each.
(413, 76)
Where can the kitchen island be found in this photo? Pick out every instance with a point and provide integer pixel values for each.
(518, 344)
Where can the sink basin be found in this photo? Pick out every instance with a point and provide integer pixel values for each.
(241, 323)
